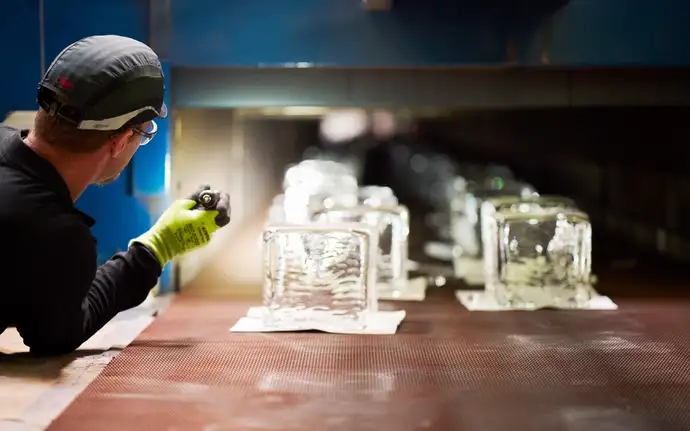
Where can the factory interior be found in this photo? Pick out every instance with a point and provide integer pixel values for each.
(452, 131)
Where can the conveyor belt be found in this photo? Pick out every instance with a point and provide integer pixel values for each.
(446, 369)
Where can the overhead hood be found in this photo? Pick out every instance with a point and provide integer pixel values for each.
(20, 119)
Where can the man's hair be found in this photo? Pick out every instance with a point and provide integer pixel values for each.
(61, 134)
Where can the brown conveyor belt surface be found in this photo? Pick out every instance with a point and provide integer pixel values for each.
(446, 369)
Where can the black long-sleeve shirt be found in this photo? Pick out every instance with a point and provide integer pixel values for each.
(51, 287)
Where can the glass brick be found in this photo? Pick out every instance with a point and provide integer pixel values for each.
(324, 273)
(543, 258)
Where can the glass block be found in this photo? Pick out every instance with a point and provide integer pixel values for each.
(309, 172)
(376, 196)
(302, 201)
(351, 161)
(465, 213)
(276, 211)
(332, 199)
(543, 258)
(393, 227)
(320, 273)
(503, 204)
(276, 215)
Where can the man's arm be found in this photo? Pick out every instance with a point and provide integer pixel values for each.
(67, 297)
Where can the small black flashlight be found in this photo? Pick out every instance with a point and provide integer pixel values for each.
(207, 200)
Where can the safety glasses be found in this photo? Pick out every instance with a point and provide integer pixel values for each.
(148, 134)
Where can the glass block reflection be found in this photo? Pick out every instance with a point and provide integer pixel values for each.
(319, 273)
(507, 204)
(543, 258)
(392, 224)
(465, 209)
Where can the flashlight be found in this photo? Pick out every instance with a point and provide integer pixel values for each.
(207, 200)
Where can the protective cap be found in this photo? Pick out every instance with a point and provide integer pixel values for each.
(104, 83)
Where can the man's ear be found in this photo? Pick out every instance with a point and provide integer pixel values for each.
(119, 143)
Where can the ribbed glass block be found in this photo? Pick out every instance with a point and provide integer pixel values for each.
(543, 258)
(491, 207)
(393, 226)
(320, 273)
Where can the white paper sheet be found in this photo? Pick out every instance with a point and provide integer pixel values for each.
(415, 291)
(380, 323)
(482, 301)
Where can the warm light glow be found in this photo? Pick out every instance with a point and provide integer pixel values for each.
(384, 124)
(338, 127)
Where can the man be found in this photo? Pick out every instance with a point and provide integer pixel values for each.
(98, 103)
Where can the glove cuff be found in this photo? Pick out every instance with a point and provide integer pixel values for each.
(155, 245)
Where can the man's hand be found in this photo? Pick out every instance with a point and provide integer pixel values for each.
(183, 228)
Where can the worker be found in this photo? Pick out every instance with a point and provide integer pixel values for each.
(98, 103)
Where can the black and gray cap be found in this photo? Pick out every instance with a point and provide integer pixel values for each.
(104, 83)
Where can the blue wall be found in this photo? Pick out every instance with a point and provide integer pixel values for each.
(19, 29)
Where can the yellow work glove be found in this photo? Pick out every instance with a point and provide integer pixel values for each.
(186, 225)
